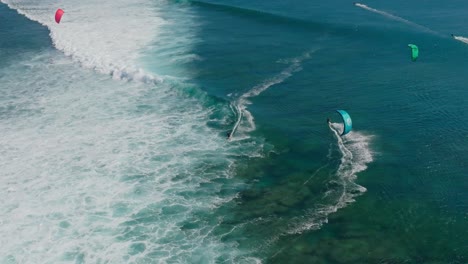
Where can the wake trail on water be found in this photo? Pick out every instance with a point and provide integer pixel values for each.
(356, 154)
(461, 39)
(245, 120)
(397, 18)
(235, 108)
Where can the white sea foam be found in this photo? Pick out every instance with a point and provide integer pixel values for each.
(462, 39)
(107, 36)
(356, 154)
(102, 171)
(106, 171)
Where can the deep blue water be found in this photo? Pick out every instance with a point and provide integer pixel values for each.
(284, 188)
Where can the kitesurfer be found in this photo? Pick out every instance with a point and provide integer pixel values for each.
(328, 120)
(228, 134)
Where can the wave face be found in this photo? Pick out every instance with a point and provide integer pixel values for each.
(96, 170)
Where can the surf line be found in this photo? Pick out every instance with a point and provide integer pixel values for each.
(397, 18)
(240, 105)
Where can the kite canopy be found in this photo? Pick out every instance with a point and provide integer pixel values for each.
(58, 15)
(348, 124)
(414, 51)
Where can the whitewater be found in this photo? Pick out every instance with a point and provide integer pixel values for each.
(113, 167)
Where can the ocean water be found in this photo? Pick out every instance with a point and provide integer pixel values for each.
(113, 132)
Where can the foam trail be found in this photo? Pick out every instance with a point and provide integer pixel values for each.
(355, 155)
(460, 38)
(397, 18)
(239, 119)
(351, 165)
(242, 102)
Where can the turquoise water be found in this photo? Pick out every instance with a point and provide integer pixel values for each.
(114, 127)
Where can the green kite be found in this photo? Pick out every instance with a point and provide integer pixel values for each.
(414, 51)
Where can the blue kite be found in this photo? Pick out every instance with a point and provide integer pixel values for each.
(348, 124)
